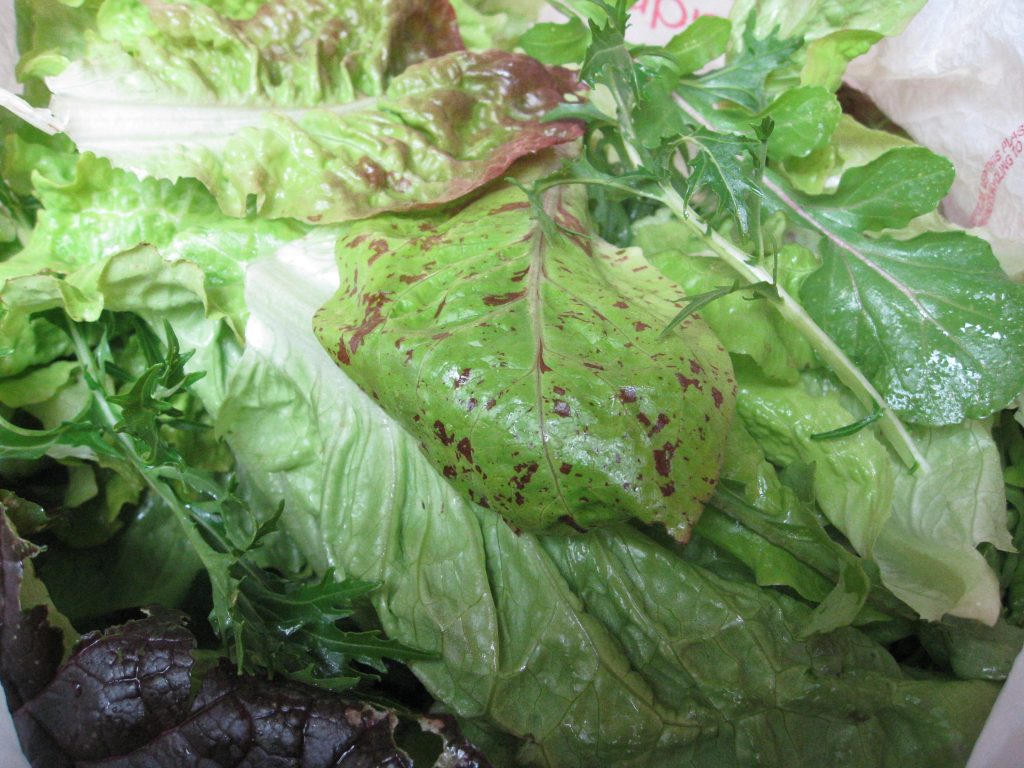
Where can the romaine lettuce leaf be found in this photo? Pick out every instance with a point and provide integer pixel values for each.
(297, 113)
(920, 528)
(604, 649)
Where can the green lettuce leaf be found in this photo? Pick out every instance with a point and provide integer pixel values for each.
(932, 320)
(601, 649)
(486, 24)
(921, 528)
(927, 552)
(744, 325)
(148, 563)
(305, 118)
(530, 362)
(85, 254)
(853, 480)
(91, 211)
(815, 19)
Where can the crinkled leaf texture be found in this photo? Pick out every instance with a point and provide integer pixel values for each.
(921, 528)
(817, 18)
(91, 211)
(135, 697)
(530, 363)
(322, 112)
(605, 649)
(928, 550)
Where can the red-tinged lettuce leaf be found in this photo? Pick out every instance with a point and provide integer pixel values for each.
(321, 112)
(279, 52)
(531, 364)
(31, 648)
(135, 696)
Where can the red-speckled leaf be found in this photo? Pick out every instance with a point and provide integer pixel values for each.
(317, 110)
(532, 369)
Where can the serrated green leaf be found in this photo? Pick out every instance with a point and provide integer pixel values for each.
(20, 443)
(742, 79)
(723, 167)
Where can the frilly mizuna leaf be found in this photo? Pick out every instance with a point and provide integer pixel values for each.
(531, 365)
(318, 112)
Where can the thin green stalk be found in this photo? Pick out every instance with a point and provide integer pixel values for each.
(185, 518)
(844, 368)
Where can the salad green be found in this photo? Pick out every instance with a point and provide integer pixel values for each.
(639, 403)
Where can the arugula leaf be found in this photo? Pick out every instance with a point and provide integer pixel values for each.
(803, 120)
(932, 320)
(886, 193)
(703, 40)
(552, 43)
(720, 169)
(579, 412)
(266, 620)
(741, 80)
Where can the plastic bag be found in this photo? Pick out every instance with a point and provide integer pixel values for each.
(954, 80)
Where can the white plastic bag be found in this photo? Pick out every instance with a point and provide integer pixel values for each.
(955, 81)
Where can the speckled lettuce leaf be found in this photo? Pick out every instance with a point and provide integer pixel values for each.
(605, 649)
(530, 363)
(318, 111)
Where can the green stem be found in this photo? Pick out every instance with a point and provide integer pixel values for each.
(844, 368)
(185, 518)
